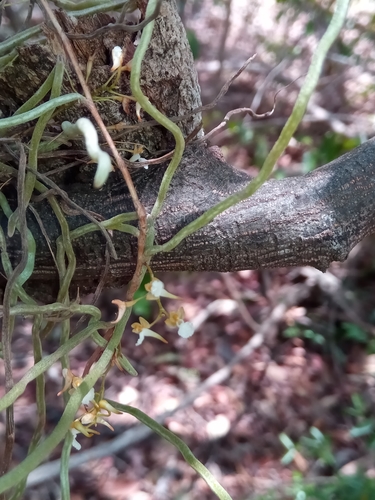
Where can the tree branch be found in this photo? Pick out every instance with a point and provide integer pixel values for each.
(309, 220)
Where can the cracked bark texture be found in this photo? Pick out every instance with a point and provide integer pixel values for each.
(310, 220)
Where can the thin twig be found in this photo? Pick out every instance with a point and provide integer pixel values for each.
(200, 109)
(50, 154)
(237, 111)
(269, 78)
(58, 170)
(229, 115)
(117, 27)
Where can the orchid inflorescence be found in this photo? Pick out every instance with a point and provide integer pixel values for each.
(96, 408)
(100, 409)
(91, 418)
(174, 319)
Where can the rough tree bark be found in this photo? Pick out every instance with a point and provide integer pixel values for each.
(309, 220)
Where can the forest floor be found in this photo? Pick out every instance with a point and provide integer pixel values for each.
(315, 362)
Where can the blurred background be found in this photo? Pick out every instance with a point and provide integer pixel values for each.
(275, 392)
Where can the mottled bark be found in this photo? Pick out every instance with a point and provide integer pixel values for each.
(309, 220)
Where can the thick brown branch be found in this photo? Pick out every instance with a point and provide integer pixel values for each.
(309, 220)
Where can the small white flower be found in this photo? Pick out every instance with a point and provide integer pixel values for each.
(146, 332)
(186, 329)
(143, 330)
(89, 397)
(135, 157)
(117, 57)
(141, 338)
(75, 443)
(138, 157)
(157, 288)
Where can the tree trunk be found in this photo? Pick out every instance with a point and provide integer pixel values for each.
(310, 220)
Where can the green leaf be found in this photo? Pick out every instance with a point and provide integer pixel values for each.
(143, 307)
(286, 441)
(363, 430)
(288, 457)
(193, 42)
(317, 434)
(292, 332)
(354, 332)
